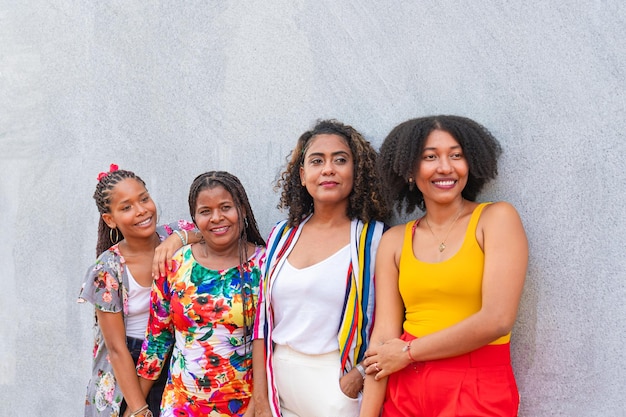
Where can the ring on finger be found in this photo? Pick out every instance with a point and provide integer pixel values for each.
(376, 367)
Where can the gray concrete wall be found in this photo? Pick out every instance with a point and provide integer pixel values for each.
(172, 89)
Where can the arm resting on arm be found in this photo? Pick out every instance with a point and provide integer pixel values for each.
(162, 262)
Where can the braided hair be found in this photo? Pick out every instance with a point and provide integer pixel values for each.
(247, 224)
(103, 196)
(365, 202)
(401, 152)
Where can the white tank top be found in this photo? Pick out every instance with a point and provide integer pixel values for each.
(307, 304)
(138, 308)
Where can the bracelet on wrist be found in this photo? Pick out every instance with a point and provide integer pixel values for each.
(361, 370)
(407, 349)
(142, 412)
(182, 238)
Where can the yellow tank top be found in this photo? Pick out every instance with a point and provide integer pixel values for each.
(439, 295)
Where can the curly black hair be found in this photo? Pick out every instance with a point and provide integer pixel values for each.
(401, 152)
(365, 202)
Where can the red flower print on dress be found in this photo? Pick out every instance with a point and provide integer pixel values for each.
(181, 317)
(184, 292)
(206, 309)
(148, 369)
(218, 372)
(232, 399)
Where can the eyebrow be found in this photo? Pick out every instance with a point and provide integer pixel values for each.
(221, 203)
(451, 147)
(332, 154)
(128, 199)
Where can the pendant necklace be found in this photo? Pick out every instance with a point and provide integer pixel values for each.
(442, 245)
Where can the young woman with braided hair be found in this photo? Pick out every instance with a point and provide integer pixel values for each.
(314, 321)
(448, 284)
(129, 245)
(205, 306)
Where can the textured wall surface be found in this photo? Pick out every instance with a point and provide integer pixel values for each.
(173, 89)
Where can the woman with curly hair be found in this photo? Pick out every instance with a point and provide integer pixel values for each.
(449, 283)
(316, 311)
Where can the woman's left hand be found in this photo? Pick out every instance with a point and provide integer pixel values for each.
(387, 358)
(351, 383)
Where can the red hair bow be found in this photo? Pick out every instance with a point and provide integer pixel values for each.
(112, 168)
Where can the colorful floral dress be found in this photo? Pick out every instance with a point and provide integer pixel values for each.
(106, 287)
(199, 312)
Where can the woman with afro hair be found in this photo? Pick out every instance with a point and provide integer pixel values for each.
(448, 284)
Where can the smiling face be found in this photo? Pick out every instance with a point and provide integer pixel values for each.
(442, 171)
(327, 171)
(217, 219)
(131, 210)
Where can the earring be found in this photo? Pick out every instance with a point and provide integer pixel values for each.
(245, 222)
(117, 236)
(411, 184)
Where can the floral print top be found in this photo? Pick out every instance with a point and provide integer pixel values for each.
(106, 287)
(198, 314)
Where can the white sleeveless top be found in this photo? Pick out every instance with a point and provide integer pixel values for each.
(138, 308)
(307, 304)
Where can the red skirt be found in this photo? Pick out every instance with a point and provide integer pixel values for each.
(477, 384)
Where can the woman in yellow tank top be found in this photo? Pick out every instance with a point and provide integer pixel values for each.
(448, 285)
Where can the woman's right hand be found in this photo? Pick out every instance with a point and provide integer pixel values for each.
(162, 261)
(351, 383)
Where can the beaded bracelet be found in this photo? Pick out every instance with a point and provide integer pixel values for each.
(182, 238)
(407, 349)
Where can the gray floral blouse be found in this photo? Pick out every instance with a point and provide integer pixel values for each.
(106, 287)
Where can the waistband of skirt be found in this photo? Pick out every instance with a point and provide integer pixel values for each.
(489, 355)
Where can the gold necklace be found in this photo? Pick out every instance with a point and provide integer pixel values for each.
(442, 245)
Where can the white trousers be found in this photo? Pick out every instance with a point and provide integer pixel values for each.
(308, 385)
